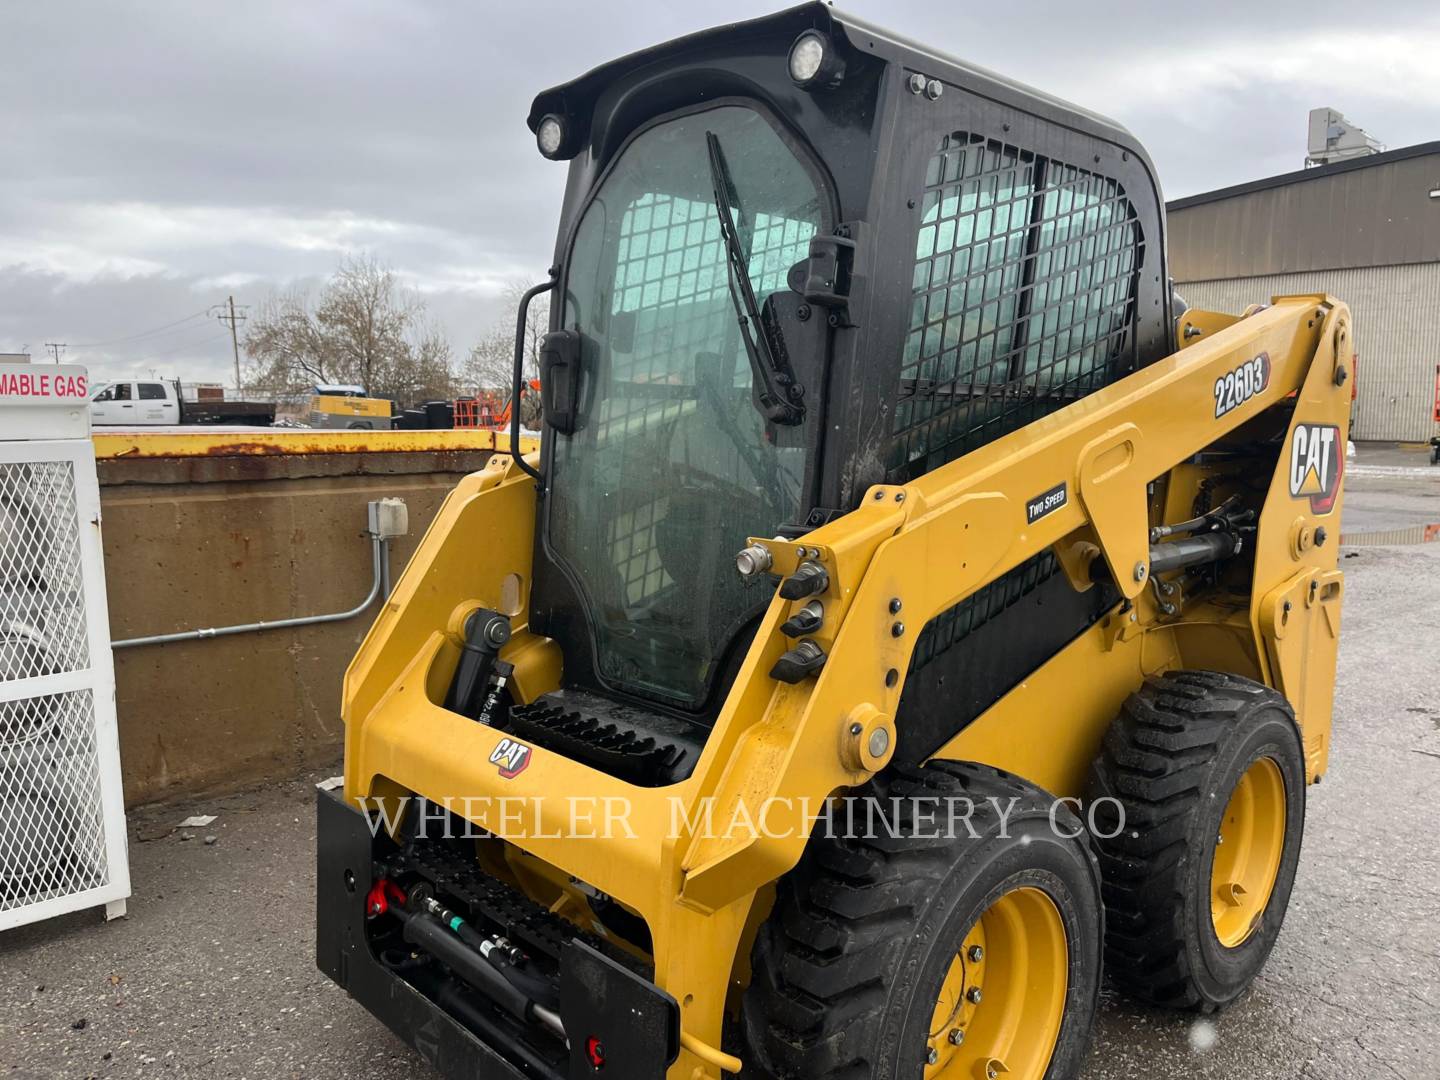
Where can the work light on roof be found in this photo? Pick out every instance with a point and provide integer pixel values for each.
(550, 136)
(814, 61)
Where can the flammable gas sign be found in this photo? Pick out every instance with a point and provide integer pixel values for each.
(31, 384)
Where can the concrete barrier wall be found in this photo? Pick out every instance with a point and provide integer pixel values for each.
(210, 539)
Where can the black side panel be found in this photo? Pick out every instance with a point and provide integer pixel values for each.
(970, 656)
(344, 876)
(615, 1015)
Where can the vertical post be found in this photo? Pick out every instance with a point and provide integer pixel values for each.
(235, 344)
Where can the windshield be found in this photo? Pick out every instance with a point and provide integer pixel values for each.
(671, 466)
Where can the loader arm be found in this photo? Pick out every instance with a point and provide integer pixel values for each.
(912, 551)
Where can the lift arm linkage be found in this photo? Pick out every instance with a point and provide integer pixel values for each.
(911, 552)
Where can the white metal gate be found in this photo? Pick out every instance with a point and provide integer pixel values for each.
(62, 816)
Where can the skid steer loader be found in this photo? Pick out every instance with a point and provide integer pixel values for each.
(911, 609)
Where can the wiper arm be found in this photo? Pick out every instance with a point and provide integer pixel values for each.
(780, 406)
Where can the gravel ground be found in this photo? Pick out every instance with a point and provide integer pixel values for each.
(212, 974)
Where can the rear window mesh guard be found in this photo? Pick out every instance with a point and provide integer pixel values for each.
(1023, 301)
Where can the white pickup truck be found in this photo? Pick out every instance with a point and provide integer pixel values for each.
(158, 402)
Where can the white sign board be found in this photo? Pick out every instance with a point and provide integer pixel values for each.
(44, 401)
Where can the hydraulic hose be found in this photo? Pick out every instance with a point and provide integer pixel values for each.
(541, 991)
(430, 934)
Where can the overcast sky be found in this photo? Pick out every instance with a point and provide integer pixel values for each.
(157, 157)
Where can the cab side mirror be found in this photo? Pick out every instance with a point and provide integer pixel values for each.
(560, 379)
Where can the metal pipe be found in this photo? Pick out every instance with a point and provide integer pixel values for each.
(380, 557)
(385, 586)
(1192, 550)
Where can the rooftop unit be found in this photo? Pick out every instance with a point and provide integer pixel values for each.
(1334, 138)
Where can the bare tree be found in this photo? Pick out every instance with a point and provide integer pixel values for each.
(490, 364)
(363, 328)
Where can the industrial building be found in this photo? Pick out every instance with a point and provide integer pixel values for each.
(1363, 228)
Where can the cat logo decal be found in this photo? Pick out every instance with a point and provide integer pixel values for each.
(512, 757)
(1316, 461)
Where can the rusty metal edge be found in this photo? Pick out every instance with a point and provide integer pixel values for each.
(128, 445)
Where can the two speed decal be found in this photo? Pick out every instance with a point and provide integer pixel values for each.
(1234, 388)
(1047, 502)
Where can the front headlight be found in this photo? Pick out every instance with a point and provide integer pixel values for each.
(815, 62)
(550, 136)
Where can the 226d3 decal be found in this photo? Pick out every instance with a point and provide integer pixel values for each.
(1316, 461)
(1234, 388)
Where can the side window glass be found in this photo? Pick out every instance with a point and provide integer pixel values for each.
(1022, 297)
(108, 394)
(122, 391)
(152, 391)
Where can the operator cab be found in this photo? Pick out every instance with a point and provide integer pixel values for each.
(798, 257)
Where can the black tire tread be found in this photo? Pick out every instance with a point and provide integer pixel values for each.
(1156, 759)
(823, 960)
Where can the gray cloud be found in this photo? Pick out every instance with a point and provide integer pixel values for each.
(159, 157)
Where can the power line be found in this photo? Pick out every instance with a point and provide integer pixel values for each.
(56, 348)
(192, 344)
(145, 333)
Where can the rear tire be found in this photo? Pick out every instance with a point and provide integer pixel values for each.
(869, 959)
(1179, 931)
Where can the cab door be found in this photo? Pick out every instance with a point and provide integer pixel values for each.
(114, 405)
(125, 410)
(155, 404)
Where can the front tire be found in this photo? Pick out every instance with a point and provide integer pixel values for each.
(941, 953)
(1209, 771)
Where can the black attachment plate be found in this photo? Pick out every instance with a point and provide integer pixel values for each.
(637, 1024)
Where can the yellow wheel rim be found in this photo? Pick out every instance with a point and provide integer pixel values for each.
(1000, 1007)
(1247, 853)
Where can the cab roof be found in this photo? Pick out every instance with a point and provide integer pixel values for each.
(577, 97)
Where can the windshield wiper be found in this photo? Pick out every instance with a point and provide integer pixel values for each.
(779, 405)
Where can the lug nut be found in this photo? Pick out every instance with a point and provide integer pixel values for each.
(932, 1056)
(973, 995)
(976, 954)
(957, 1037)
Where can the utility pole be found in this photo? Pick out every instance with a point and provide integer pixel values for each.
(56, 348)
(229, 316)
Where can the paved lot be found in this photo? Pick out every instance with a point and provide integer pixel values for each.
(212, 975)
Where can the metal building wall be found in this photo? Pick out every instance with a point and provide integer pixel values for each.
(1396, 336)
(1374, 211)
